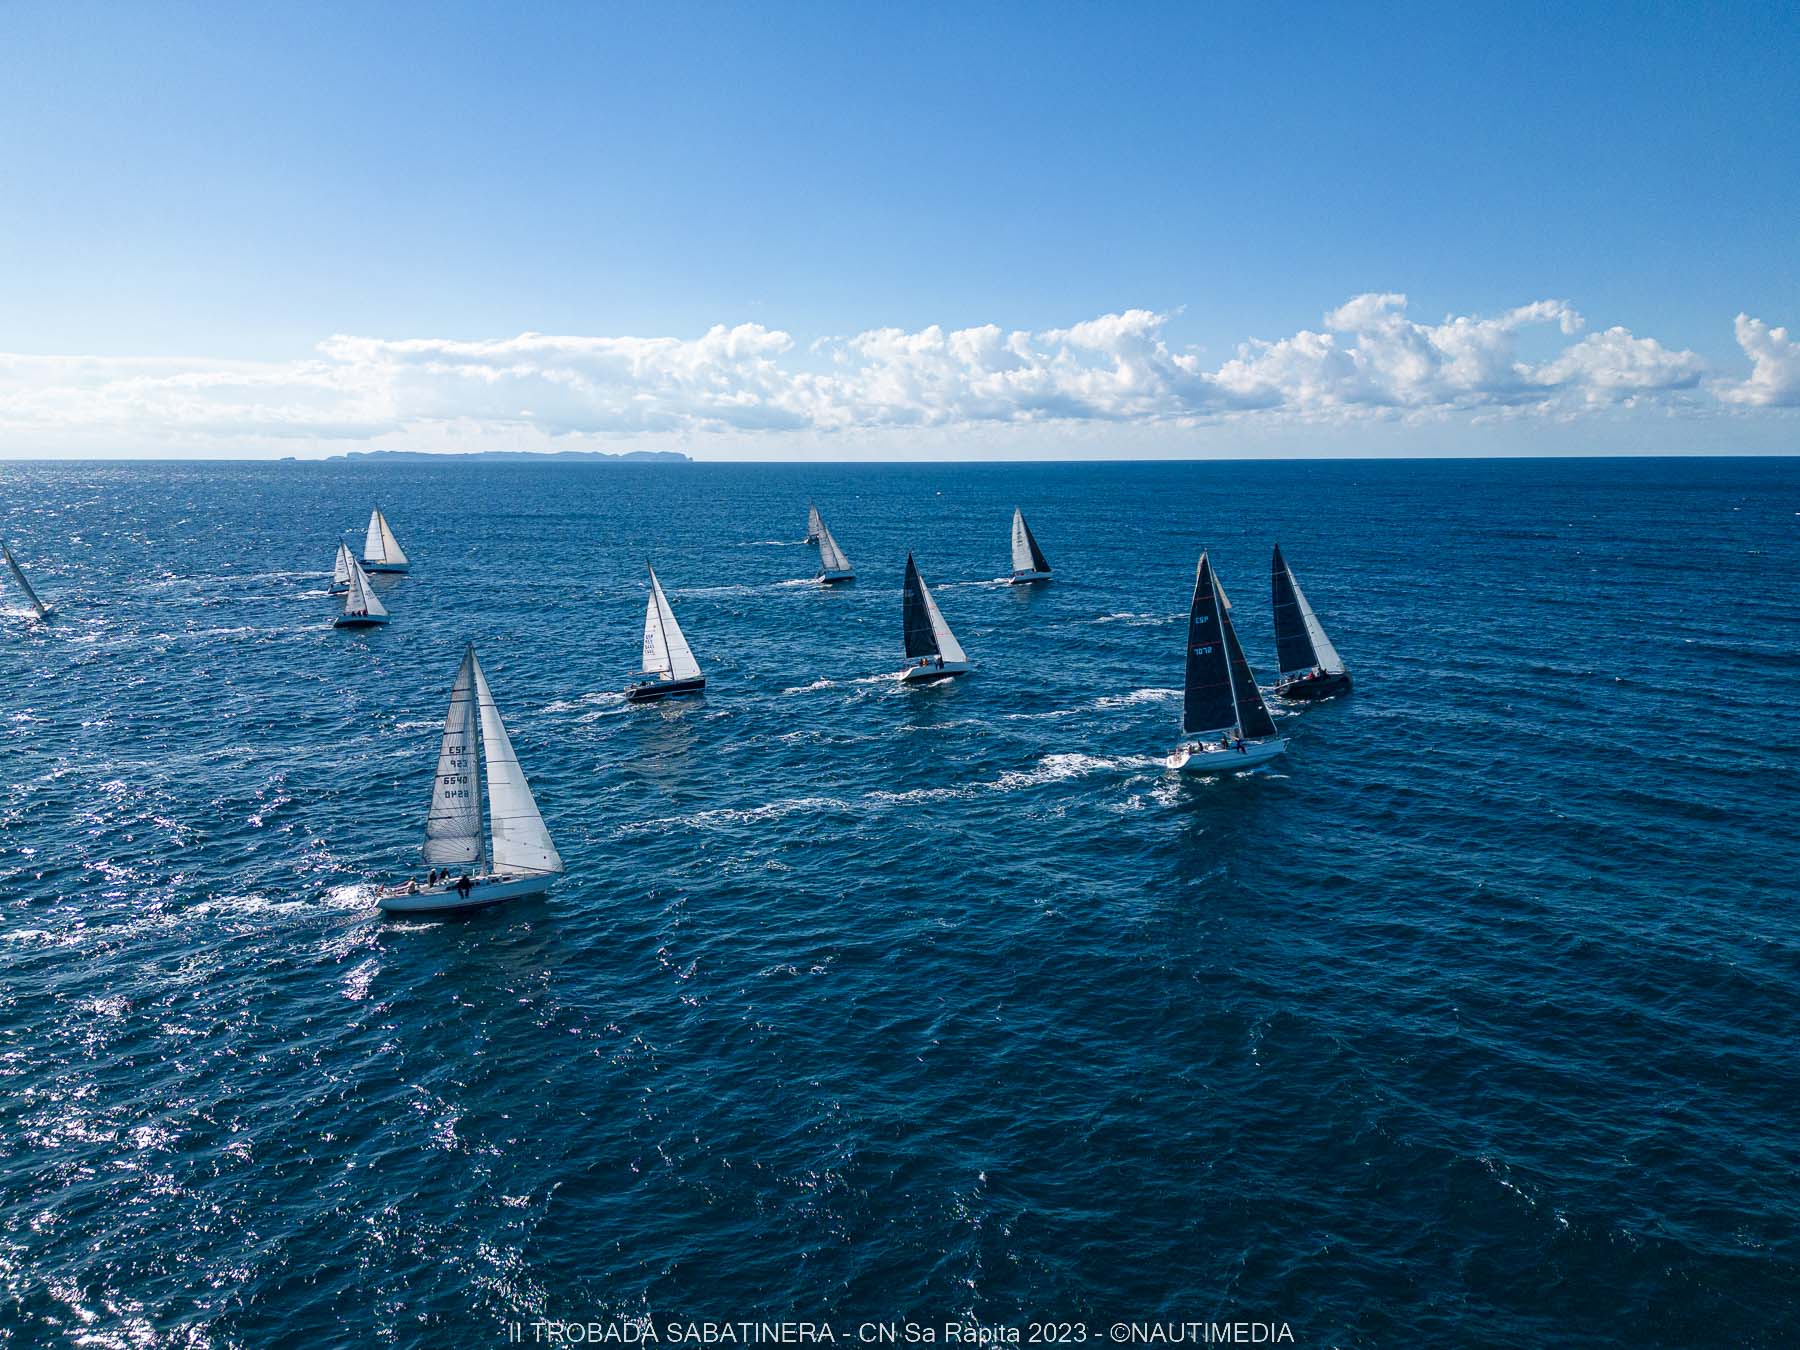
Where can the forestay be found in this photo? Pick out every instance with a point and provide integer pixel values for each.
(666, 650)
(521, 841)
(453, 826)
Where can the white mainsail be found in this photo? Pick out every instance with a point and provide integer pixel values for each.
(360, 598)
(379, 544)
(521, 841)
(453, 826)
(831, 557)
(43, 610)
(340, 570)
(948, 647)
(1022, 560)
(814, 526)
(1326, 654)
(666, 650)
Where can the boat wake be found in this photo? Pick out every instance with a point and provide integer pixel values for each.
(1136, 696)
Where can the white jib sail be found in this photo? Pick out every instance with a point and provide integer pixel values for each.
(666, 650)
(1323, 651)
(948, 647)
(453, 826)
(831, 557)
(379, 544)
(521, 840)
(1021, 546)
(42, 609)
(361, 598)
(340, 570)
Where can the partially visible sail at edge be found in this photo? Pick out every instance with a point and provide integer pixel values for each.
(43, 610)
(1026, 555)
(453, 826)
(666, 650)
(521, 840)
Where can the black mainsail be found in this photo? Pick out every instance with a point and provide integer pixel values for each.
(1220, 695)
(921, 637)
(1293, 647)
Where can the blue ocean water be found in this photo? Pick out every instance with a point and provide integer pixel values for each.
(1471, 1022)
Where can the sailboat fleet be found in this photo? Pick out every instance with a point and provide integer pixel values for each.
(486, 841)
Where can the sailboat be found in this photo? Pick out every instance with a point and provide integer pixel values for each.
(1310, 666)
(362, 607)
(1028, 562)
(381, 551)
(43, 610)
(814, 526)
(932, 651)
(1222, 710)
(510, 858)
(340, 570)
(833, 565)
(667, 657)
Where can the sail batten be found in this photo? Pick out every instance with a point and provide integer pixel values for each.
(666, 649)
(1026, 555)
(453, 825)
(520, 839)
(43, 610)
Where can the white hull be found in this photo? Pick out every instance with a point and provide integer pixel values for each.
(935, 671)
(486, 891)
(1027, 578)
(1214, 758)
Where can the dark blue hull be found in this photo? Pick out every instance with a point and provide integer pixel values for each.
(1311, 690)
(659, 689)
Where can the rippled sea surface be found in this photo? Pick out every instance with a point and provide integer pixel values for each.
(1472, 1022)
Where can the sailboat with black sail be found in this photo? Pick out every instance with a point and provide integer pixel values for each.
(1028, 562)
(1223, 716)
(510, 854)
(381, 551)
(834, 567)
(1310, 666)
(18, 576)
(932, 651)
(668, 660)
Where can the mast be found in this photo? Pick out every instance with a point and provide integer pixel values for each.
(1237, 713)
(662, 626)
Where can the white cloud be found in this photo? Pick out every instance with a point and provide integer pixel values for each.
(1369, 360)
(1774, 367)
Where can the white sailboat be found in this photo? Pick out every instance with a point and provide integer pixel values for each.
(833, 565)
(932, 651)
(513, 856)
(1222, 710)
(1310, 667)
(381, 551)
(1028, 562)
(12, 563)
(340, 569)
(668, 660)
(362, 607)
(813, 524)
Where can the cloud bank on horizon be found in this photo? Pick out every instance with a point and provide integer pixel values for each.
(1368, 361)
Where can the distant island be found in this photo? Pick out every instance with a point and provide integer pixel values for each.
(523, 456)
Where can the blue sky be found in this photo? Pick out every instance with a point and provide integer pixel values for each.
(198, 197)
